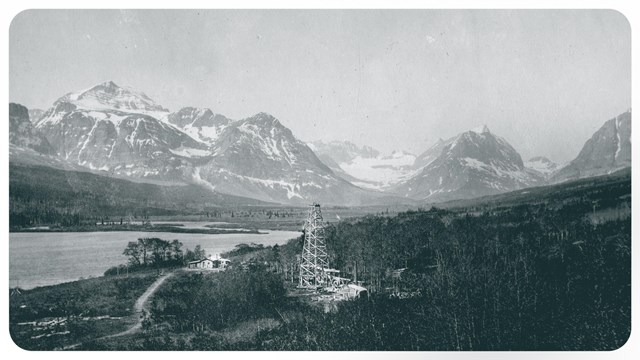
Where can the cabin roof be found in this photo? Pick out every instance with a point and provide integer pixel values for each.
(197, 261)
(356, 287)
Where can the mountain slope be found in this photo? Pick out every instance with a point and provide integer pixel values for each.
(200, 124)
(472, 164)
(120, 132)
(608, 150)
(109, 96)
(114, 129)
(343, 151)
(22, 132)
(35, 115)
(259, 158)
(364, 166)
(431, 153)
(541, 166)
(40, 191)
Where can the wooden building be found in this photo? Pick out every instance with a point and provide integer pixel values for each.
(211, 263)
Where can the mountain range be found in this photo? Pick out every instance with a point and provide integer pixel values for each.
(123, 133)
(120, 132)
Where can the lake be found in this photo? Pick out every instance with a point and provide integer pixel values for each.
(40, 258)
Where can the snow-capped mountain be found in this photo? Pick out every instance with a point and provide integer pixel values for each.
(380, 172)
(260, 158)
(471, 164)
(109, 96)
(343, 151)
(117, 130)
(123, 133)
(363, 165)
(201, 124)
(608, 150)
(541, 165)
(21, 131)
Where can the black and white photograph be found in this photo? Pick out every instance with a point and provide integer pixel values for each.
(362, 180)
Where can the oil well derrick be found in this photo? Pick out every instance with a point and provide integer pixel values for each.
(315, 260)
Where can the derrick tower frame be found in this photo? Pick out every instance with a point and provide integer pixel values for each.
(314, 252)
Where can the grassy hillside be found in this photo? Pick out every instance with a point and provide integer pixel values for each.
(602, 191)
(39, 194)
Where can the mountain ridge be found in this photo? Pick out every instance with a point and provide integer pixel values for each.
(608, 150)
(120, 132)
(124, 133)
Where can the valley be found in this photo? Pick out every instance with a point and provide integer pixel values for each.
(507, 271)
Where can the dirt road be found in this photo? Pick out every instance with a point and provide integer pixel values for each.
(140, 305)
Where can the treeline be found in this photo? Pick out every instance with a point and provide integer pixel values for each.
(531, 276)
(156, 253)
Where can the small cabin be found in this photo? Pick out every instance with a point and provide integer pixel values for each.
(201, 264)
(211, 263)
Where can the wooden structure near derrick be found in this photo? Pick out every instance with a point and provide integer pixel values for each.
(314, 252)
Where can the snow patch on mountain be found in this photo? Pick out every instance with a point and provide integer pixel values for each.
(382, 171)
(618, 140)
(542, 165)
(364, 166)
(109, 96)
(292, 189)
(190, 152)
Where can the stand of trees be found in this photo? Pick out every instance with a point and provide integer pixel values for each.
(475, 285)
(197, 302)
(156, 253)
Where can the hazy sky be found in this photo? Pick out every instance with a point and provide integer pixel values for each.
(544, 80)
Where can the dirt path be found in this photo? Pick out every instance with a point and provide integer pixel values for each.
(138, 307)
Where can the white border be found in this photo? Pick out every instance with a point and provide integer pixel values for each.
(11, 351)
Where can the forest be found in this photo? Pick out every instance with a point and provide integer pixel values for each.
(543, 273)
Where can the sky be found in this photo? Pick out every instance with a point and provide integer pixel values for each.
(545, 80)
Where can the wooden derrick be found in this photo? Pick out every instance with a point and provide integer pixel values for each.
(314, 252)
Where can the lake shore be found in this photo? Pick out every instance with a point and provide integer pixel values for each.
(159, 229)
(51, 257)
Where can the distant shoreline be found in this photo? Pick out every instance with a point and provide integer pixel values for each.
(134, 228)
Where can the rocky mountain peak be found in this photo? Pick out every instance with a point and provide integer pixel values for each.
(23, 134)
(485, 147)
(484, 129)
(473, 163)
(608, 150)
(110, 96)
(264, 119)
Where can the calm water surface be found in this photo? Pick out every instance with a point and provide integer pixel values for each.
(38, 259)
